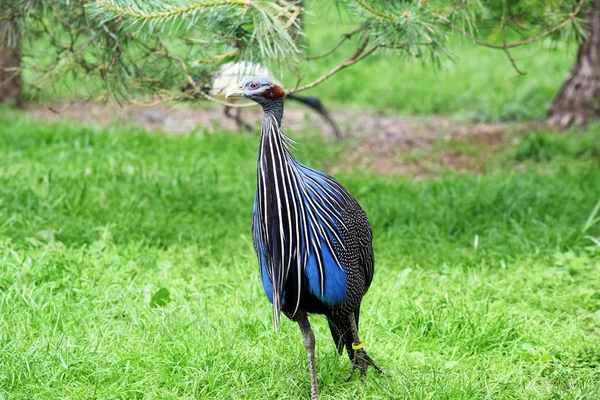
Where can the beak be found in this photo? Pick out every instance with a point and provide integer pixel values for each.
(235, 91)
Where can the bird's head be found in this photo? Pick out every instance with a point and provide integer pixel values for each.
(259, 89)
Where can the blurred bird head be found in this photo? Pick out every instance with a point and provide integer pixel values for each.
(260, 89)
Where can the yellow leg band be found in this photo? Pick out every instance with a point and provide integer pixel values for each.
(358, 346)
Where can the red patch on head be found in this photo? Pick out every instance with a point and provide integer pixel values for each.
(275, 92)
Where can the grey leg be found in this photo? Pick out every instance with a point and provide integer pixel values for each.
(362, 360)
(308, 339)
(238, 119)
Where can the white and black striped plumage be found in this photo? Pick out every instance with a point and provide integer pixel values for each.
(312, 238)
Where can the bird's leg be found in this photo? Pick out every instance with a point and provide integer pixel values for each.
(227, 112)
(237, 118)
(361, 359)
(308, 339)
(240, 123)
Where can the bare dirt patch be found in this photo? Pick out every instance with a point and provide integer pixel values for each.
(388, 144)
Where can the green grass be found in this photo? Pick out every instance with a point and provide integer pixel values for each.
(485, 286)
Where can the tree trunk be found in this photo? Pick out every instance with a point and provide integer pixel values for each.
(578, 100)
(10, 61)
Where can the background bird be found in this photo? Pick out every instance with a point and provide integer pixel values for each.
(312, 238)
(231, 73)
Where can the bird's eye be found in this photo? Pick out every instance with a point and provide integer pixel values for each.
(254, 85)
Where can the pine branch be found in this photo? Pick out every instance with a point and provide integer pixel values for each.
(217, 19)
(137, 13)
(127, 48)
(507, 52)
(567, 21)
(411, 25)
(345, 36)
(383, 16)
(359, 54)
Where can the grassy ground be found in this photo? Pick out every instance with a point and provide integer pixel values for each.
(127, 271)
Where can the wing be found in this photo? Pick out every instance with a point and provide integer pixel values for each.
(324, 201)
(366, 257)
(340, 202)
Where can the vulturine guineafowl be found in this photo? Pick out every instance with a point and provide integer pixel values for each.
(231, 73)
(312, 238)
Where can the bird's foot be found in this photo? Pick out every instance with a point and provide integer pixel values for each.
(361, 361)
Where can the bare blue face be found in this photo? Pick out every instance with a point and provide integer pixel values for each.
(257, 88)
